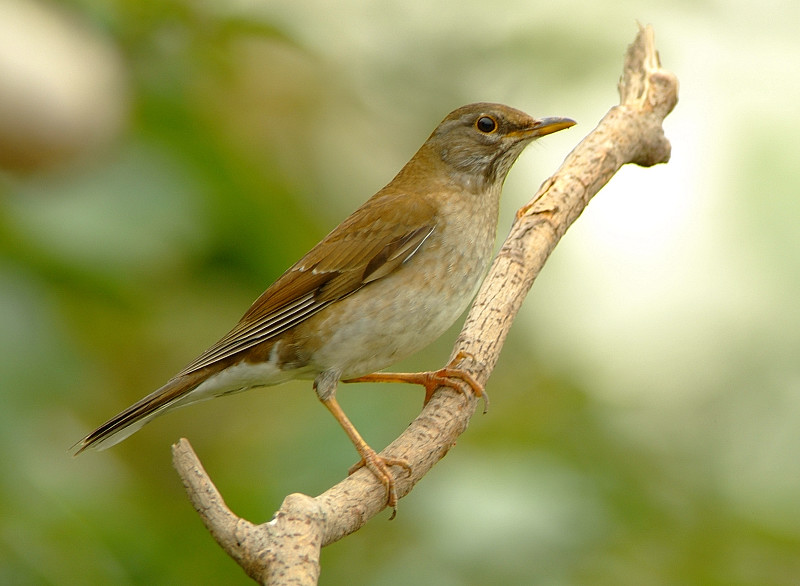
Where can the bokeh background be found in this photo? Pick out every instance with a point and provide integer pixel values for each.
(162, 162)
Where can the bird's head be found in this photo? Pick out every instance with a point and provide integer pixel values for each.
(483, 140)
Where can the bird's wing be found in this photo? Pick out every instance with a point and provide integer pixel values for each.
(374, 241)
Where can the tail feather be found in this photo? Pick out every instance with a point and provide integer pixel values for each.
(172, 395)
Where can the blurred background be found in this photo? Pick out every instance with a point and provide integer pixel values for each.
(162, 162)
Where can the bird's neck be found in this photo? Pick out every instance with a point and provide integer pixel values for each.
(428, 169)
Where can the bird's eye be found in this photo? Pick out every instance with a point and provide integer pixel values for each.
(486, 124)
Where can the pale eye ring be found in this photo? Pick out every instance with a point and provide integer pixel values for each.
(486, 124)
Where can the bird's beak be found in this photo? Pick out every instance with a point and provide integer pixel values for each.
(544, 126)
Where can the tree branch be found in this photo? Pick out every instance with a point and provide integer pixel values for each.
(286, 549)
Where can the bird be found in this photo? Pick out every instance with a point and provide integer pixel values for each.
(382, 285)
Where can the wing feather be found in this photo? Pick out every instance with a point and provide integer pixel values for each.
(369, 245)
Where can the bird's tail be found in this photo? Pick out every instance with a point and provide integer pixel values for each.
(176, 393)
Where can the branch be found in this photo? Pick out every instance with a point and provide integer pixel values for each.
(286, 549)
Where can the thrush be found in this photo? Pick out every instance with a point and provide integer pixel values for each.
(385, 283)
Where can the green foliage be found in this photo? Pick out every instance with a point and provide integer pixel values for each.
(639, 435)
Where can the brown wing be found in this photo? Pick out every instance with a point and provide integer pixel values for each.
(370, 244)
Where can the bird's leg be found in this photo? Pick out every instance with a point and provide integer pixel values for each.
(325, 386)
(449, 376)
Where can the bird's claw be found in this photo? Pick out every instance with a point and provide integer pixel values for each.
(444, 377)
(379, 466)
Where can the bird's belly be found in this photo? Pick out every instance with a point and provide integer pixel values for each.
(391, 319)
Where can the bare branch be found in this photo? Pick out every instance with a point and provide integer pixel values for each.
(283, 551)
(286, 549)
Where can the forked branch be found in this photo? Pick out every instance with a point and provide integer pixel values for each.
(286, 549)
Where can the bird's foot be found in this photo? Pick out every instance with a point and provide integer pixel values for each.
(379, 466)
(449, 376)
